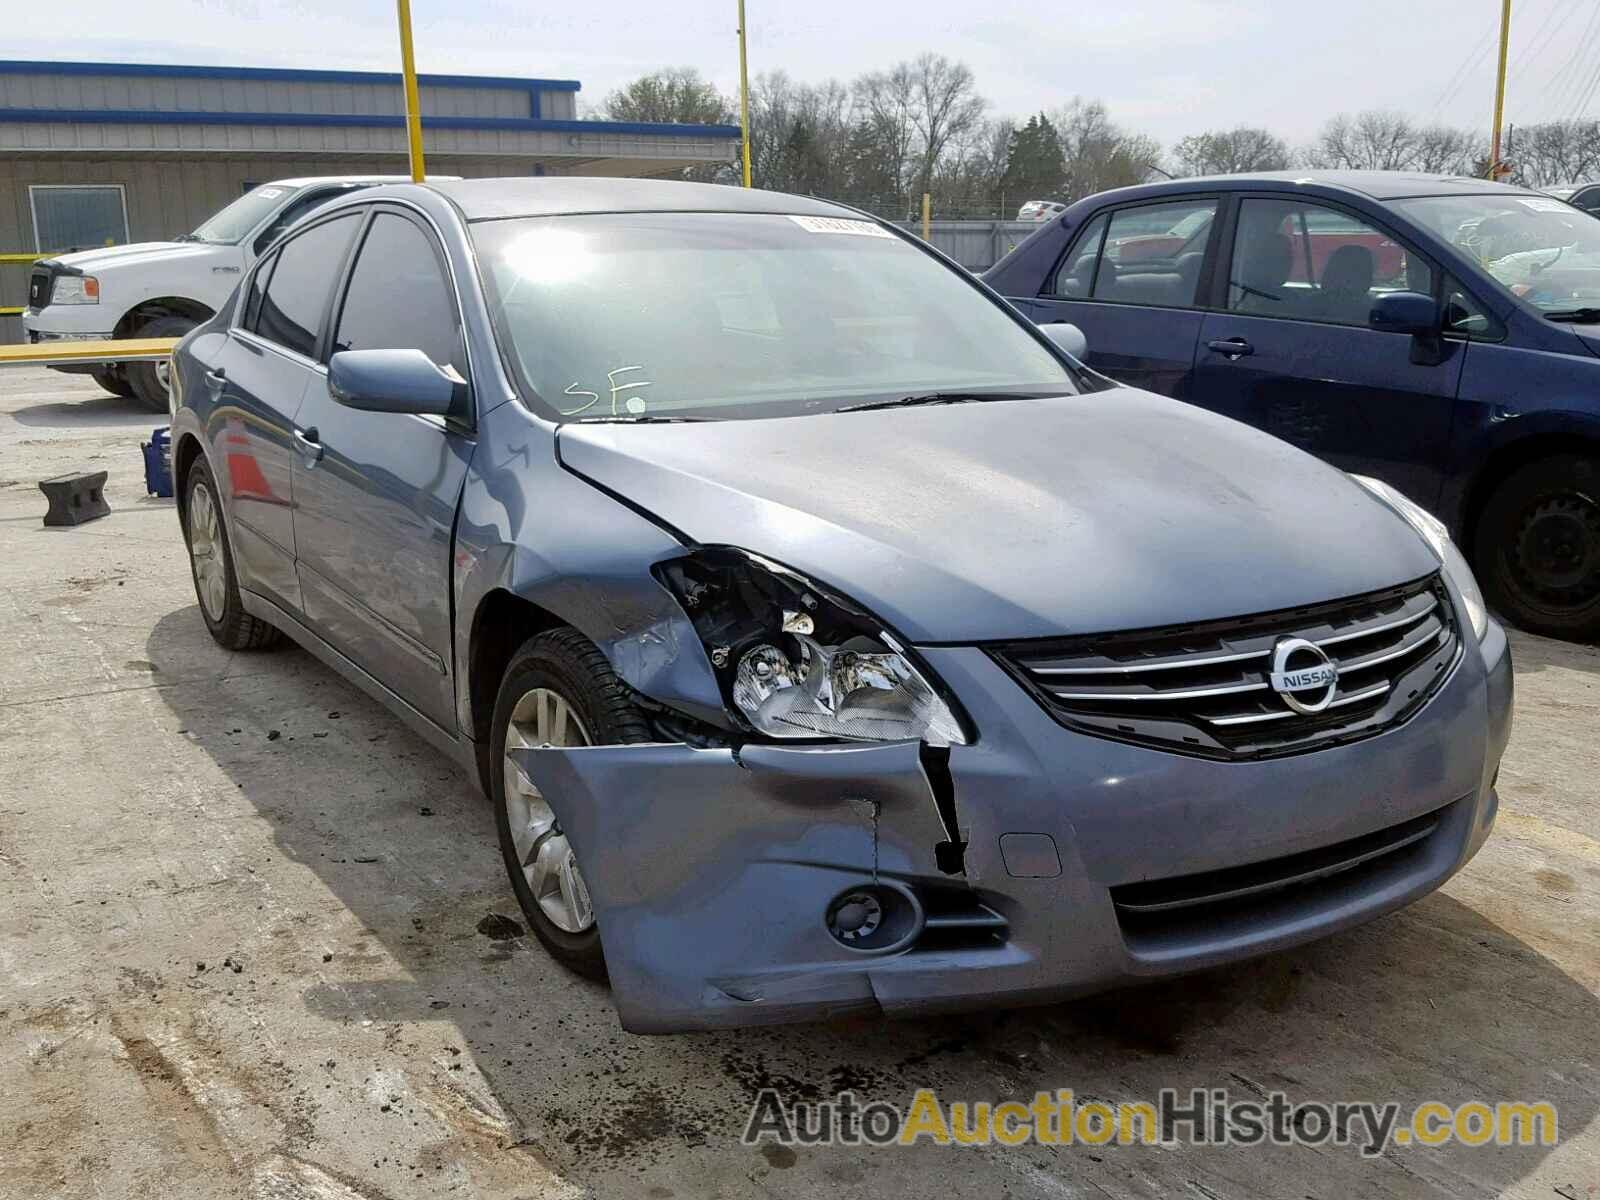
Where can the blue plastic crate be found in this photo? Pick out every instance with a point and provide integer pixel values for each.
(158, 462)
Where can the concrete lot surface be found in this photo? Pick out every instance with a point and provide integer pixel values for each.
(240, 957)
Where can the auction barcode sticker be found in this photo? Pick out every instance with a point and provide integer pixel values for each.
(840, 225)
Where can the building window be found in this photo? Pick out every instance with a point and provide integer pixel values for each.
(73, 217)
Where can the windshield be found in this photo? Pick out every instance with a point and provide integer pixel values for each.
(243, 215)
(1541, 249)
(734, 315)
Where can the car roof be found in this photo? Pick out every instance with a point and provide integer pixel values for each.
(306, 180)
(1378, 185)
(492, 199)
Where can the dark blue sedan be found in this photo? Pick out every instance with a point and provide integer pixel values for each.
(1442, 334)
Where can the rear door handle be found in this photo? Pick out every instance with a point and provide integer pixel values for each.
(1232, 347)
(310, 448)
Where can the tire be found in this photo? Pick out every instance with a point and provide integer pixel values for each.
(216, 584)
(1537, 548)
(114, 381)
(148, 379)
(561, 663)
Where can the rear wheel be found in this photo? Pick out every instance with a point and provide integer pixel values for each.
(149, 379)
(1537, 550)
(558, 690)
(216, 585)
(114, 381)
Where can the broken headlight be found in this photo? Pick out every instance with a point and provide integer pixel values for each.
(797, 662)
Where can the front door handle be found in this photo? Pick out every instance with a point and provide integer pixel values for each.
(1231, 347)
(310, 448)
(217, 377)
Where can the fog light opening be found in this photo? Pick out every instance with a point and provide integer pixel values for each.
(875, 918)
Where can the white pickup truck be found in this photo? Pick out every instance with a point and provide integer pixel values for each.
(165, 289)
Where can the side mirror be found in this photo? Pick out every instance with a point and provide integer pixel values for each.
(1067, 337)
(1406, 312)
(392, 381)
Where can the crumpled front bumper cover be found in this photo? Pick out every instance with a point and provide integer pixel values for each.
(711, 871)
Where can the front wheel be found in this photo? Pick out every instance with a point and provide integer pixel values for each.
(1537, 550)
(558, 690)
(149, 379)
(114, 381)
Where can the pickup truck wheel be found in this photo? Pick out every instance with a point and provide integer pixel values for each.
(1537, 550)
(114, 381)
(558, 690)
(149, 379)
(216, 585)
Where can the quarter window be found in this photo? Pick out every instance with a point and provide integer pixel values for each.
(1306, 261)
(1150, 254)
(252, 299)
(296, 298)
(399, 298)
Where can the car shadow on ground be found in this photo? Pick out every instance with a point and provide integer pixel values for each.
(103, 411)
(1434, 1003)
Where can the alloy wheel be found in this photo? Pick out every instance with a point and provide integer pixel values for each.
(545, 718)
(205, 550)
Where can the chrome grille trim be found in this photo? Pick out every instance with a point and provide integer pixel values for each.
(1205, 689)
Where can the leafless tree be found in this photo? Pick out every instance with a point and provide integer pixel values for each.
(1098, 153)
(1368, 141)
(1230, 151)
(945, 107)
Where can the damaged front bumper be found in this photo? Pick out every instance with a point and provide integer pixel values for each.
(1088, 864)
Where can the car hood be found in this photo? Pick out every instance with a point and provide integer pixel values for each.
(137, 254)
(1016, 519)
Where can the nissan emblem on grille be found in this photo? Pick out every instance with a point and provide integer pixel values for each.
(1300, 667)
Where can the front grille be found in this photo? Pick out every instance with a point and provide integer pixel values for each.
(955, 919)
(39, 288)
(1206, 689)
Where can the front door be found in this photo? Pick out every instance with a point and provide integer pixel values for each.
(376, 493)
(1130, 282)
(1292, 352)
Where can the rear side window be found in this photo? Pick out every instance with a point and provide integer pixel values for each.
(297, 295)
(1150, 254)
(399, 297)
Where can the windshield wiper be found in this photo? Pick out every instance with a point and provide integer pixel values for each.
(188, 237)
(921, 398)
(1575, 316)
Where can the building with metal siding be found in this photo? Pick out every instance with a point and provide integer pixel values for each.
(179, 142)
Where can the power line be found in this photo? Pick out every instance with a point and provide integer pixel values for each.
(1546, 34)
(1559, 89)
(1465, 71)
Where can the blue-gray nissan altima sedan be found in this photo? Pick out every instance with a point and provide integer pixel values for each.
(827, 638)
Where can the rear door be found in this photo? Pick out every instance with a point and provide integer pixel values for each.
(1291, 351)
(1131, 280)
(258, 381)
(376, 496)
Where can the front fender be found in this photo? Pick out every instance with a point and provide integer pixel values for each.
(531, 528)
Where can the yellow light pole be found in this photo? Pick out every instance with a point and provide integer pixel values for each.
(408, 67)
(1500, 90)
(744, 98)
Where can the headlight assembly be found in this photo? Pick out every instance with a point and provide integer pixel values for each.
(75, 289)
(1438, 538)
(797, 662)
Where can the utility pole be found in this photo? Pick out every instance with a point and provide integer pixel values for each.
(1495, 165)
(744, 98)
(408, 67)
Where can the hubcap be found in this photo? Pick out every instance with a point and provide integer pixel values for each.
(544, 718)
(1558, 550)
(205, 552)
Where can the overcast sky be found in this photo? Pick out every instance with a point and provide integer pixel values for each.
(1164, 67)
